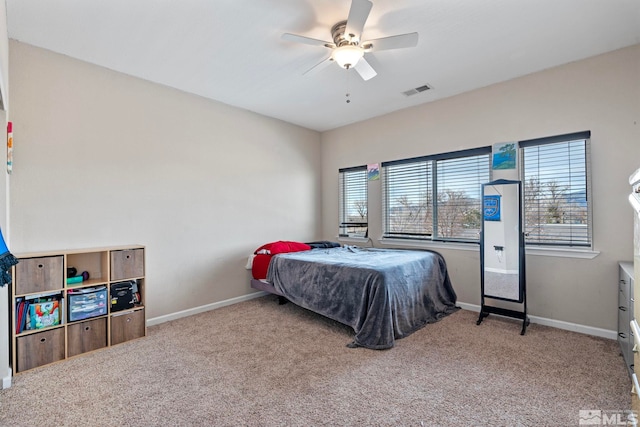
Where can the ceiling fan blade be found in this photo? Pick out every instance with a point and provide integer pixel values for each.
(358, 15)
(391, 42)
(365, 70)
(319, 66)
(307, 40)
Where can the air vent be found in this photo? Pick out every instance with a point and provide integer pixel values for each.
(417, 90)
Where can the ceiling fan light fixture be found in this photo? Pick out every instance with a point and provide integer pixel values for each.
(347, 56)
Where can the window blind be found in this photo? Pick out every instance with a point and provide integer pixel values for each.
(556, 190)
(353, 202)
(435, 197)
(407, 200)
(459, 203)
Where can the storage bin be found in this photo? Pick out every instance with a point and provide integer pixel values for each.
(127, 264)
(127, 325)
(87, 302)
(39, 274)
(86, 336)
(39, 349)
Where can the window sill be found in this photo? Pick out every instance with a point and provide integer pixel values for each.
(562, 252)
(529, 250)
(353, 239)
(428, 244)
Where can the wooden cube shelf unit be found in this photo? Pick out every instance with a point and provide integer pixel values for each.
(70, 316)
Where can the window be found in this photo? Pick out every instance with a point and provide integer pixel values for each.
(435, 197)
(556, 186)
(353, 202)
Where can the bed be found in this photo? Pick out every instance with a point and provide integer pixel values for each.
(383, 294)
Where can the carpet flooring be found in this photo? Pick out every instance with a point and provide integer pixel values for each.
(258, 363)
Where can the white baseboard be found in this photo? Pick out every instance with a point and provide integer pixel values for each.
(203, 308)
(6, 381)
(588, 330)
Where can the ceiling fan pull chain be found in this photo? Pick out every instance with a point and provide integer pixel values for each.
(348, 94)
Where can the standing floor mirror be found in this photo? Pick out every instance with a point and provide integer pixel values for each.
(502, 261)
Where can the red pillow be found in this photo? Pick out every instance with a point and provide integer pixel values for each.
(282, 247)
(260, 266)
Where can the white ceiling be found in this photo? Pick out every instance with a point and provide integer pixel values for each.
(231, 50)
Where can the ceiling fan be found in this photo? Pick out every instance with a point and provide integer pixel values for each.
(347, 48)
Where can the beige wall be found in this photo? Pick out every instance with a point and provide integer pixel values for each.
(601, 94)
(102, 158)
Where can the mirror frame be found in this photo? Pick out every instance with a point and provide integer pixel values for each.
(520, 239)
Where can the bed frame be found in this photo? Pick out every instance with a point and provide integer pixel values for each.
(268, 287)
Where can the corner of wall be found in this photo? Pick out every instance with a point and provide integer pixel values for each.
(6, 380)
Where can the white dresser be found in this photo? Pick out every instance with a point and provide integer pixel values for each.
(626, 313)
(634, 199)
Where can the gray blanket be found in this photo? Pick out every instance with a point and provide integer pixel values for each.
(383, 294)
